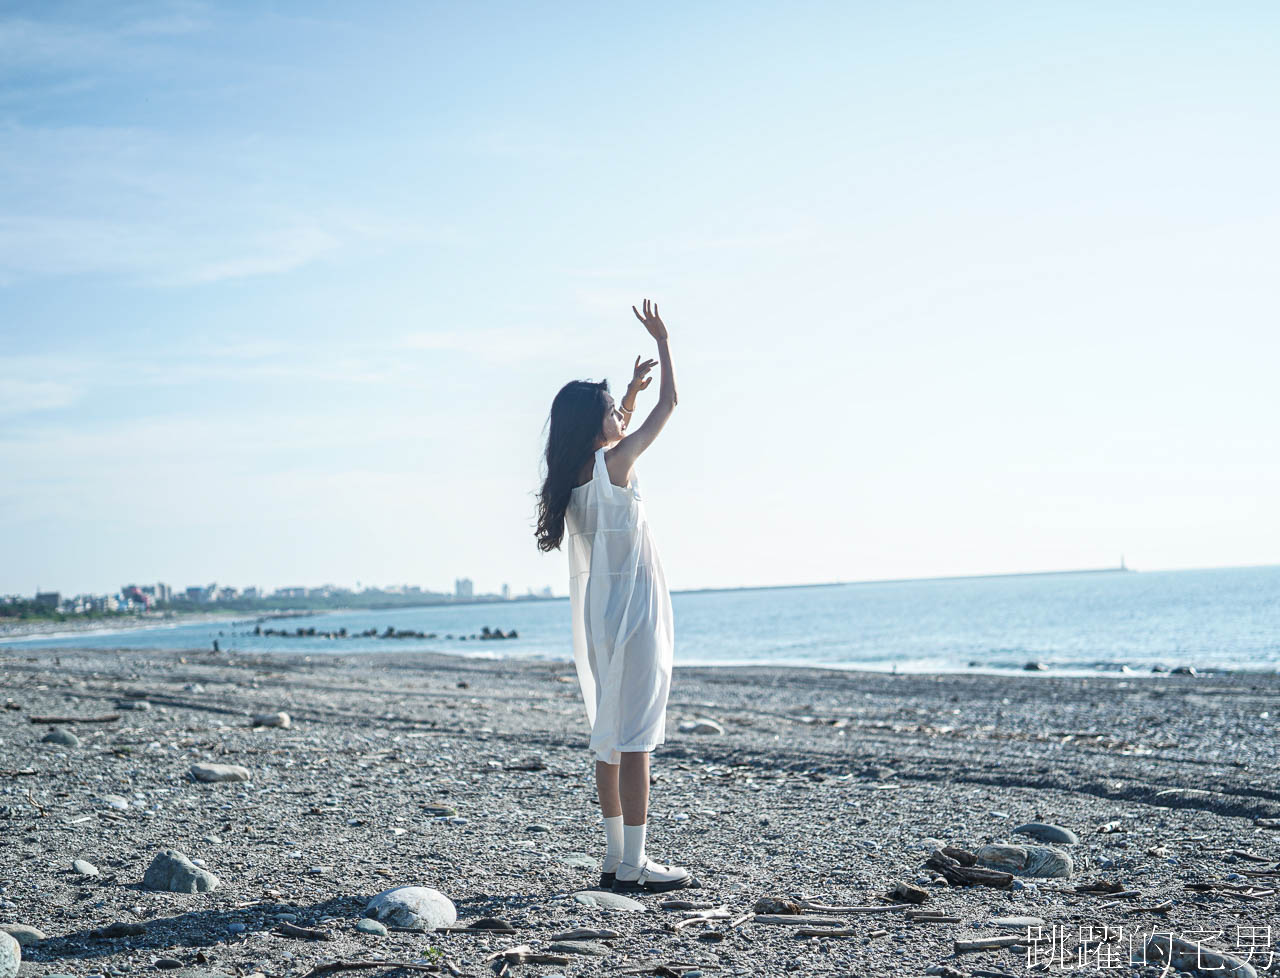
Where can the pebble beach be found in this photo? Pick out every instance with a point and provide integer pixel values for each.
(842, 823)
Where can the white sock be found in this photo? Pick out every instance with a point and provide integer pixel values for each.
(633, 844)
(613, 840)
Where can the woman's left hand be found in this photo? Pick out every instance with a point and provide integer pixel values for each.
(639, 377)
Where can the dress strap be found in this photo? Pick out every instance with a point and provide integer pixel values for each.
(601, 476)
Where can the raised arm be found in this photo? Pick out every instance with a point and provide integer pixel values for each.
(622, 457)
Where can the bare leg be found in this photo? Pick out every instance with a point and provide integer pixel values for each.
(633, 787)
(607, 789)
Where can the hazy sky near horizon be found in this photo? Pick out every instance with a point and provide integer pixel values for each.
(286, 289)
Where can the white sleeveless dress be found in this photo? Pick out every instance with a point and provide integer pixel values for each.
(623, 632)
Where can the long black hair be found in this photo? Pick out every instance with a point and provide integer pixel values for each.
(577, 420)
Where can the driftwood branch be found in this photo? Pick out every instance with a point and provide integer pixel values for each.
(310, 933)
(584, 934)
(988, 944)
(105, 718)
(932, 918)
(796, 920)
(328, 966)
(524, 954)
(709, 917)
(838, 932)
(960, 875)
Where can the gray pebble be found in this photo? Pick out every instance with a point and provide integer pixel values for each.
(1048, 833)
(60, 736)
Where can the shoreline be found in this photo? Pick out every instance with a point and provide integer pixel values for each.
(43, 628)
(8, 642)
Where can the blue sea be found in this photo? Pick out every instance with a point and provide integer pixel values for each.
(1072, 623)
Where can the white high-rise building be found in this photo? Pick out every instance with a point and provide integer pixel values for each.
(462, 588)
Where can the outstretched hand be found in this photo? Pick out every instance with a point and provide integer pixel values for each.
(652, 321)
(639, 377)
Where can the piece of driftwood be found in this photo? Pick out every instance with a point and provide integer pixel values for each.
(906, 893)
(22, 773)
(1099, 888)
(824, 908)
(1249, 894)
(686, 904)
(959, 875)
(524, 954)
(1267, 823)
(709, 917)
(1253, 857)
(742, 919)
(105, 718)
(666, 967)
(827, 932)
(1247, 891)
(932, 918)
(796, 920)
(988, 944)
(326, 966)
(963, 856)
(584, 934)
(310, 933)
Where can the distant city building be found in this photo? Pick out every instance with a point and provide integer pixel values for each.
(196, 595)
(48, 600)
(462, 588)
(133, 594)
(251, 592)
(164, 592)
(506, 592)
(546, 592)
(291, 592)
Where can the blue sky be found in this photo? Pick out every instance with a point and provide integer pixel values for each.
(286, 289)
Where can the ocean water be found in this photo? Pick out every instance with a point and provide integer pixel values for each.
(1073, 623)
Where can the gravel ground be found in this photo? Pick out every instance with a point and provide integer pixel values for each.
(828, 786)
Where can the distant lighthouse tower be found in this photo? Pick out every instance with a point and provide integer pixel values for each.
(1122, 566)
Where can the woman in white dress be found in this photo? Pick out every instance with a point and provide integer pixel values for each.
(622, 626)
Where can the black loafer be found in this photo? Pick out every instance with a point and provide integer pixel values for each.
(607, 880)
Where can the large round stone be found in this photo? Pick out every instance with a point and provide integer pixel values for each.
(10, 956)
(24, 934)
(413, 907)
(172, 871)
